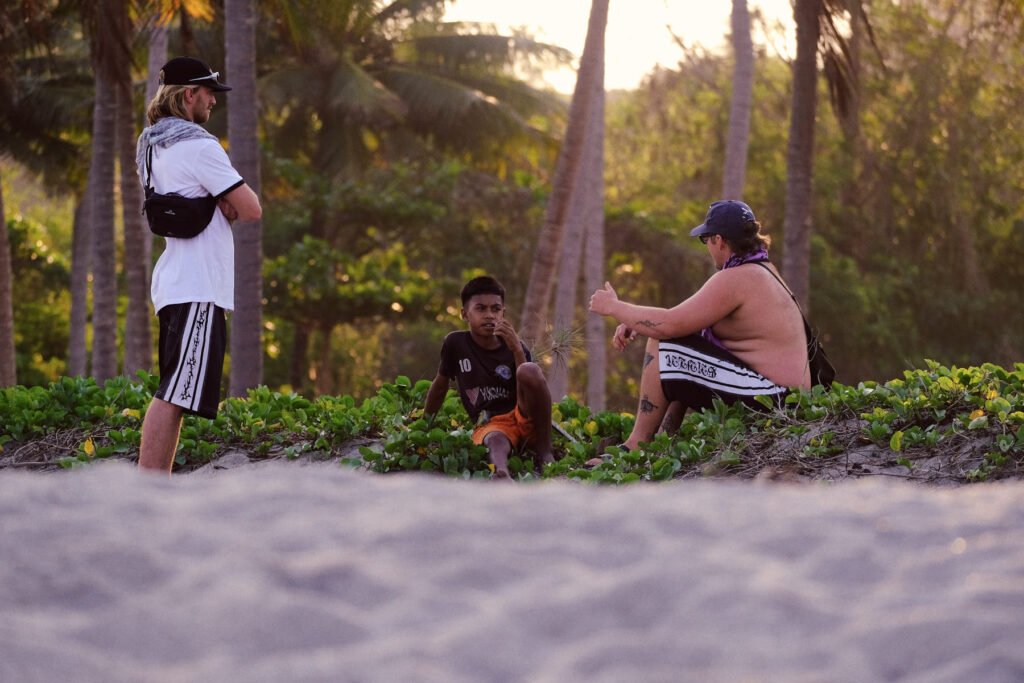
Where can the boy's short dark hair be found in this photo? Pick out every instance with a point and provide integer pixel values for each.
(485, 284)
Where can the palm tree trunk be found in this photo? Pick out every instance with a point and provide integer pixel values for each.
(298, 368)
(8, 359)
(742, 94)
(549, 242)
(101, 173)
(594, 263)
(157, 58)
(189, 46)
(563, 329)
(325, 366)
(138, 243)
(81, 264)
(247, 321)
(800, 153)
(111, 57)
(587, 204)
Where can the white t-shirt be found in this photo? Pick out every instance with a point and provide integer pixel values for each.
(201, 268)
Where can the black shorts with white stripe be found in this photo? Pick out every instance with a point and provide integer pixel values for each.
(193, 340)
(695, 372)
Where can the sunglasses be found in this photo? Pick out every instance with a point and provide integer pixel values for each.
(213, 76)
(704, 238)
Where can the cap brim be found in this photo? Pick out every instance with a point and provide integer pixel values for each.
(701, 229)
(219, 87)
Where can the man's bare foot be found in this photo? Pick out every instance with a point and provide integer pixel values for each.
(502, 475)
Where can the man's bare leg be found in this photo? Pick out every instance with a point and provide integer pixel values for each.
(534, 401)
(498, 450)
(160, 430)
(652, 405)
(673, 417)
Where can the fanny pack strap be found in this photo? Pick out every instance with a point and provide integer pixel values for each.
(148, 187)
(812, 337)
(788, 290)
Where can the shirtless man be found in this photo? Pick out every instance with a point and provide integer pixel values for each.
(740, 336)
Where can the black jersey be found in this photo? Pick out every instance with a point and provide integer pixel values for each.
(486, 378)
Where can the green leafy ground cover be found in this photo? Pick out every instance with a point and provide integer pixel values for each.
(942, 425)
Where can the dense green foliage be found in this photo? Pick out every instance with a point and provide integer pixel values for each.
(923, 412)
(382, 196)
(917, 219)
(42, 272)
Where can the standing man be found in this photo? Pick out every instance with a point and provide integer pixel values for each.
(193, 281)
(739, 336)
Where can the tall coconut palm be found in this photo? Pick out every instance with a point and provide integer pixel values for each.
(81, 264)
(110, 31)
(549, 242)
(594, 261)
(8, 364)
(584, 220)
(247, 321)
(156, 57)
(816, 28)
(138, 241)
(738, 137)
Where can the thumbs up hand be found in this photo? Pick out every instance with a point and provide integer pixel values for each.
(602, 300)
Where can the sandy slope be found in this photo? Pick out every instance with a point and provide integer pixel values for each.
(288, 573)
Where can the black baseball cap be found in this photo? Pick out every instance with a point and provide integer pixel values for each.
(190, 71)
(728, 218)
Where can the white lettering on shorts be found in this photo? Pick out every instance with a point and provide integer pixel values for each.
(691, 365)
(677, 362)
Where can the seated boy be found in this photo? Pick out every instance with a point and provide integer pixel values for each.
(504, 393)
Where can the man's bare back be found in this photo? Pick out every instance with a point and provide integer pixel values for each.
(766, 330)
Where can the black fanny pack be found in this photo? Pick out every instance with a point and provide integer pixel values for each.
(171, 215)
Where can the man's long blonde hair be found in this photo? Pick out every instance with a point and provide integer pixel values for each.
(169, 101)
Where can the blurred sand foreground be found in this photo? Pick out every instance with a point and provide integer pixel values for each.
(286, 573)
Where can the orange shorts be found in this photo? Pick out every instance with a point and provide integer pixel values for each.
(514, 425)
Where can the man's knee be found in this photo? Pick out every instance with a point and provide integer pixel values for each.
(530, 374)
(497, 442)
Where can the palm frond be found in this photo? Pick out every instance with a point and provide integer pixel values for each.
(521, 96)
(411, 9)
(110, 37)
(287, 84)
(834, 47)
(454, 114)
(468, 46)
(361, 98)
(344, 89)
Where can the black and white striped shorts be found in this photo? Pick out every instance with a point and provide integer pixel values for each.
(193, 340)
(695, 371)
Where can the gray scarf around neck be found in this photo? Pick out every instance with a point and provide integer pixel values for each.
(164, 133)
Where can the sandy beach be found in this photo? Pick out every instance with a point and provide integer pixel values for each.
(313, 573)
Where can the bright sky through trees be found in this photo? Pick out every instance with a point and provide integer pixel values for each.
(637, 38)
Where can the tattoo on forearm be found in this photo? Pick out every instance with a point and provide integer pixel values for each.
(647, 323)
(646, 406)
(647, 359)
